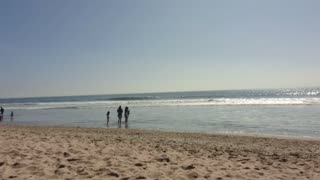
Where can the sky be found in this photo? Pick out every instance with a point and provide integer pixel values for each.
(79, 47)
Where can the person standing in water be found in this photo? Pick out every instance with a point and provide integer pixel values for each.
(119, 111)
(108, 117)
(1, 113)
(11, 116)
(126, 114)
(1, 110)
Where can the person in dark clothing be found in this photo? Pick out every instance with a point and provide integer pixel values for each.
(1, 113)
(11, 116)
(1, 110)
(108, 117)
(119, 111)
(126, 114)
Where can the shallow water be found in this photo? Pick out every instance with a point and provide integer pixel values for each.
(196, 113)
(288, 120)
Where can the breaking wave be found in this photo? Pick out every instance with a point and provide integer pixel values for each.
(164, 102)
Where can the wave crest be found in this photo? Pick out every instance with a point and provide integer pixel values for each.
(167, 102)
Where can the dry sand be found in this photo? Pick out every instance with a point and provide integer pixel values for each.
(30, 152)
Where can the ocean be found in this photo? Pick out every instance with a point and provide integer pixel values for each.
(276, 112)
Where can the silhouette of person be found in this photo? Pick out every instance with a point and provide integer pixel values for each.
(1, 110)
(1, 113)
(11, 116)
(108, 117)
(119, 111)
(126, 114)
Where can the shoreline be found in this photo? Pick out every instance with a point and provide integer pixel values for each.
(254, 135)
(55, 152)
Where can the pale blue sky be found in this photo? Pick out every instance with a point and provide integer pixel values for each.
(72, 47)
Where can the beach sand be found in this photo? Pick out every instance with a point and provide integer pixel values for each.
(34, 152)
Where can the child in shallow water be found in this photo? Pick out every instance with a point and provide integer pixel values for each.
(108, 117)
(126, 114)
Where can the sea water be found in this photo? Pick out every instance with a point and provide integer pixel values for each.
(279, 112)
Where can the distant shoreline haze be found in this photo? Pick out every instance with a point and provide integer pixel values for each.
(164, 92)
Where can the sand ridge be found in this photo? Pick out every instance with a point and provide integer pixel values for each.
(34, 152)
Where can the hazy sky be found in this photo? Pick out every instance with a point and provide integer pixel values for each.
(71, 47)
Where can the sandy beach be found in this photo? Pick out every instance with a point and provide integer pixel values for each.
(34, 152)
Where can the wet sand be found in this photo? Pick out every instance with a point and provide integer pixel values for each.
(34, 152)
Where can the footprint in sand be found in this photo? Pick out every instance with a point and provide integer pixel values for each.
(141, 177)
(65, 154)
(187, 167)
(18, 165)
(193, 175)
(112, 174)
(138, 164)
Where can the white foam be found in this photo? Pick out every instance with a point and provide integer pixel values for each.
(170, 102)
